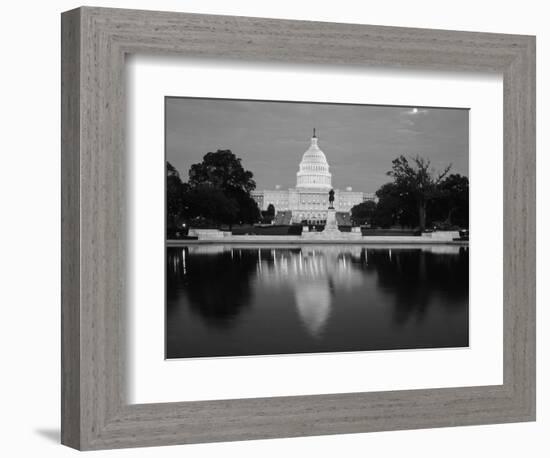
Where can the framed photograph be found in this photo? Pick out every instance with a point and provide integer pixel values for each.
(301, 265)
(277, 228)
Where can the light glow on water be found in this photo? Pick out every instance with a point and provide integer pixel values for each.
(225, 300)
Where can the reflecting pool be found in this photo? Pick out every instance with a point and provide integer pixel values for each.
(228, 300)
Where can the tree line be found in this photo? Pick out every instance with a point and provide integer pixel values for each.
(218, 192)
(418, 197)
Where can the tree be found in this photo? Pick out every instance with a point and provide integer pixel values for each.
(452, 204)
(419, 181)
(269, 214)
(395, 206)
(209, 204)
(222, 170)
(174, 196)
(247, 208)
(363, 213)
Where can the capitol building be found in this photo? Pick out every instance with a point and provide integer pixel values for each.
(309, 200)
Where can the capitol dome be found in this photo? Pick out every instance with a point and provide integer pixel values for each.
(314, 169)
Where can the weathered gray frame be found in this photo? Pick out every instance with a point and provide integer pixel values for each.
(95, 414)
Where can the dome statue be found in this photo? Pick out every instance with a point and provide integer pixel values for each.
(314, 169)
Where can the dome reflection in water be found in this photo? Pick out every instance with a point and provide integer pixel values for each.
(227, 300)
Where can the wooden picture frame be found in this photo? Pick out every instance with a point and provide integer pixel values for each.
(95, 412)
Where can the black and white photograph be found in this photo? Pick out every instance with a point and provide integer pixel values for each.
(244, 229)
(300, 227)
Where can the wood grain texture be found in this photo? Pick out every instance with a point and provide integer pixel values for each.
(96, 414)
(70, 229)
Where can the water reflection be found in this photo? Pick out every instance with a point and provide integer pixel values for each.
(231, 300)
(313, 301)
(313, 272)
(414, 277)
(216, 284)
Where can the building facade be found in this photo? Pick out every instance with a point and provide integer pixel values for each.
(308, 201)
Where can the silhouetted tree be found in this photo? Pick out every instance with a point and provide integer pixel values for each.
(211, 204)
(395, 206)
(247, 208)
(222, 170)
(269, 214)
(419, 181)
(363, 213)
(174, 196)
(452, 204)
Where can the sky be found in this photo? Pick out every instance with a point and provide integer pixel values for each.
(359, 141)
